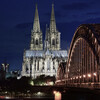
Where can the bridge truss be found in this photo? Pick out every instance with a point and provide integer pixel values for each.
(83, 64)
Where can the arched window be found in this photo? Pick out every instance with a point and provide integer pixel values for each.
(37, 42)
(38, 65)
(33, 41)
(53, 41)
(57, 40)
(48, 65)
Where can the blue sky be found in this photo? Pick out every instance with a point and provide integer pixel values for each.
(16, 22)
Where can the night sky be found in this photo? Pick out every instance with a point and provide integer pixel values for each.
(16, 22)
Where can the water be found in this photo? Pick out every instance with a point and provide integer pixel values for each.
(67, 94)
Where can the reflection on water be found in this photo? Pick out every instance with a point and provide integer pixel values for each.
(57, 95)
(68, 94)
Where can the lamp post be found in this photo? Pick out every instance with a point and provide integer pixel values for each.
(84, 76)
(89, 78)
(94, 74)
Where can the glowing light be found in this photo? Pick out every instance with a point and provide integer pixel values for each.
(94, 74)
(54, 92)
(74, 78)
(89, 75)
(7, 97)
(77, 77)
(80, 76)
(31, 83)
(19, 77)
(6, 92)
(38, 93)
(57, 95)
(84, 76)
(95, 40)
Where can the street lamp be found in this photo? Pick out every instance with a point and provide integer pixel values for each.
(89, 75)
(94, 74)
(84, 76)
(74, 78)
(77, 77)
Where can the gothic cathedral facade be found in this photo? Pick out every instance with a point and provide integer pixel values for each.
(39, 59)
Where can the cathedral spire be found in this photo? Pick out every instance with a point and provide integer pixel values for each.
(36, 33)
(52, 20)
(36, 25)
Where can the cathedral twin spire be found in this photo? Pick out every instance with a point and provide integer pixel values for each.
(36, 35)
(52, 20)
(36, 25)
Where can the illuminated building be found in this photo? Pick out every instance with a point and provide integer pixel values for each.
(43, 61)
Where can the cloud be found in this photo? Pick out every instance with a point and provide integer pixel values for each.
(76, 6)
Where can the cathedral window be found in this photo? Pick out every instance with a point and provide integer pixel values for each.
(53, 65)
(30, 69)
(35, 66)
(37, 42)
(27, 69)
(43, 65)
(57, 41)
(48, 65)
(40, 40)
(53, 42)
(38, 66)
(33, 41)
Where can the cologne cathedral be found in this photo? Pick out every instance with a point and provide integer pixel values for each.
(43, 59)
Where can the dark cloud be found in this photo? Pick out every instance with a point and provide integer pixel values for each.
(76, 6)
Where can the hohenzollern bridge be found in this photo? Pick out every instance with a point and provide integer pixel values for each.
(82, 68)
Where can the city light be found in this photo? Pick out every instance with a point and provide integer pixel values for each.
(77, 77)
(57, 95)
(89, 75)
(94, 74)
(54, 92)
(84, 76)
(80, 76)
(74, 78)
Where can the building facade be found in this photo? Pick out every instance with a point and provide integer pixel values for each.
(39, 59)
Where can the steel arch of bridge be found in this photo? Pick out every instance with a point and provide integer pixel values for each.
(84, 51)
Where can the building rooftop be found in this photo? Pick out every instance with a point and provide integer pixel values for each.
(55, 53)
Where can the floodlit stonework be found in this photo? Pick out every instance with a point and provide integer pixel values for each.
(43, 61)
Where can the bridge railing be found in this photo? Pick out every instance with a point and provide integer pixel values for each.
(84, 85)
(64, 82)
